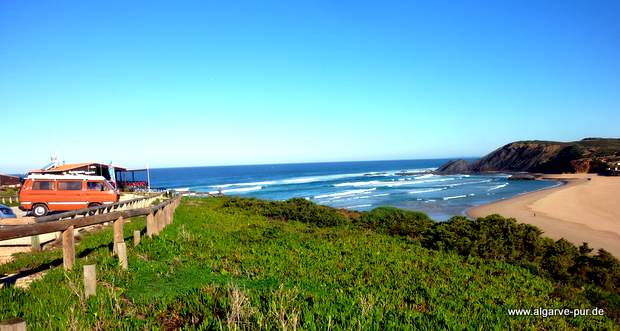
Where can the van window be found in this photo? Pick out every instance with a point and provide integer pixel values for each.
(42, 185)
(96, 186)
(69, 186)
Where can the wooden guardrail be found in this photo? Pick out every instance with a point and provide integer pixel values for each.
(10, 199)
(157, 217)
(95, 210)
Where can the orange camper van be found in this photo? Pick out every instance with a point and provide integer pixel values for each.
(43, 193)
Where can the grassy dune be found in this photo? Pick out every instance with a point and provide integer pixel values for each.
(242, 265)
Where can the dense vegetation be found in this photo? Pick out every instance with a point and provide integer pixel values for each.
(493, 237)
(251, 264)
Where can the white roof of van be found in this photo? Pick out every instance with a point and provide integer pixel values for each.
(79, 177)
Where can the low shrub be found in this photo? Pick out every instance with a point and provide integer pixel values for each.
(396, 221)
(492, 238)
(295, 209)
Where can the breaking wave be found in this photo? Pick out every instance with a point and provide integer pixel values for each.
(240, 190)
(498, 187)
(343, 194)
(358, 206)
(383, 183)
(427, 190)
(455, 197)
(242, 184)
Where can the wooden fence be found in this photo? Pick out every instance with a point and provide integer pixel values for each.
(157, 217)
(97, 210)
(9, 199)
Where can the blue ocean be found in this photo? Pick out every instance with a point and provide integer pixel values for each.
(353, 185)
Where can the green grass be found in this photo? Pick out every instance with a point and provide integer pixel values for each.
(9, 192)
(219, 266)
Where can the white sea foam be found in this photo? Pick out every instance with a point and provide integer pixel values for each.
(434, 180)
(427, 190)
(240, 190)
(358, 206)
(425, 176)
(498, 187)
(384, 183)
(361, 183)
(421, 170)
(323, 178)
(470, 183)
(381, 195)
(242, 184)
(313, 179)
(344, 194)
(455, 197)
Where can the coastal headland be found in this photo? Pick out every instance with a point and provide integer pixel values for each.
(586, 209)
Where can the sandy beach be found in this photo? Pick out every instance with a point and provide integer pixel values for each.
(586, 209)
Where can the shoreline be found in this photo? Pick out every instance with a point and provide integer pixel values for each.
(583, 209)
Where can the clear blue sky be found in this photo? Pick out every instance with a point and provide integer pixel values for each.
(177, 83)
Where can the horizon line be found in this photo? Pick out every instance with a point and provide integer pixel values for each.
(278, 163)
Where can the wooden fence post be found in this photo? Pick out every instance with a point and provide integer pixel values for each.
(16, 324)
(168, 214)
(118, 232)
(68, 248)
(150, 225)
(164, 217)
(35, 243)
(159, 217)
(90, 280)
(122, 255)
(136, 238)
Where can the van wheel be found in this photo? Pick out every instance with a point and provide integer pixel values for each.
(39, 210)
(93, 212)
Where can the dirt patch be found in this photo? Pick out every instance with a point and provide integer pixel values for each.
(6, 253)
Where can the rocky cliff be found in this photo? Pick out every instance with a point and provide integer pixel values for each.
(590, 155)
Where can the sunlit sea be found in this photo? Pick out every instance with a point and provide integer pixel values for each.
(353, 185)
